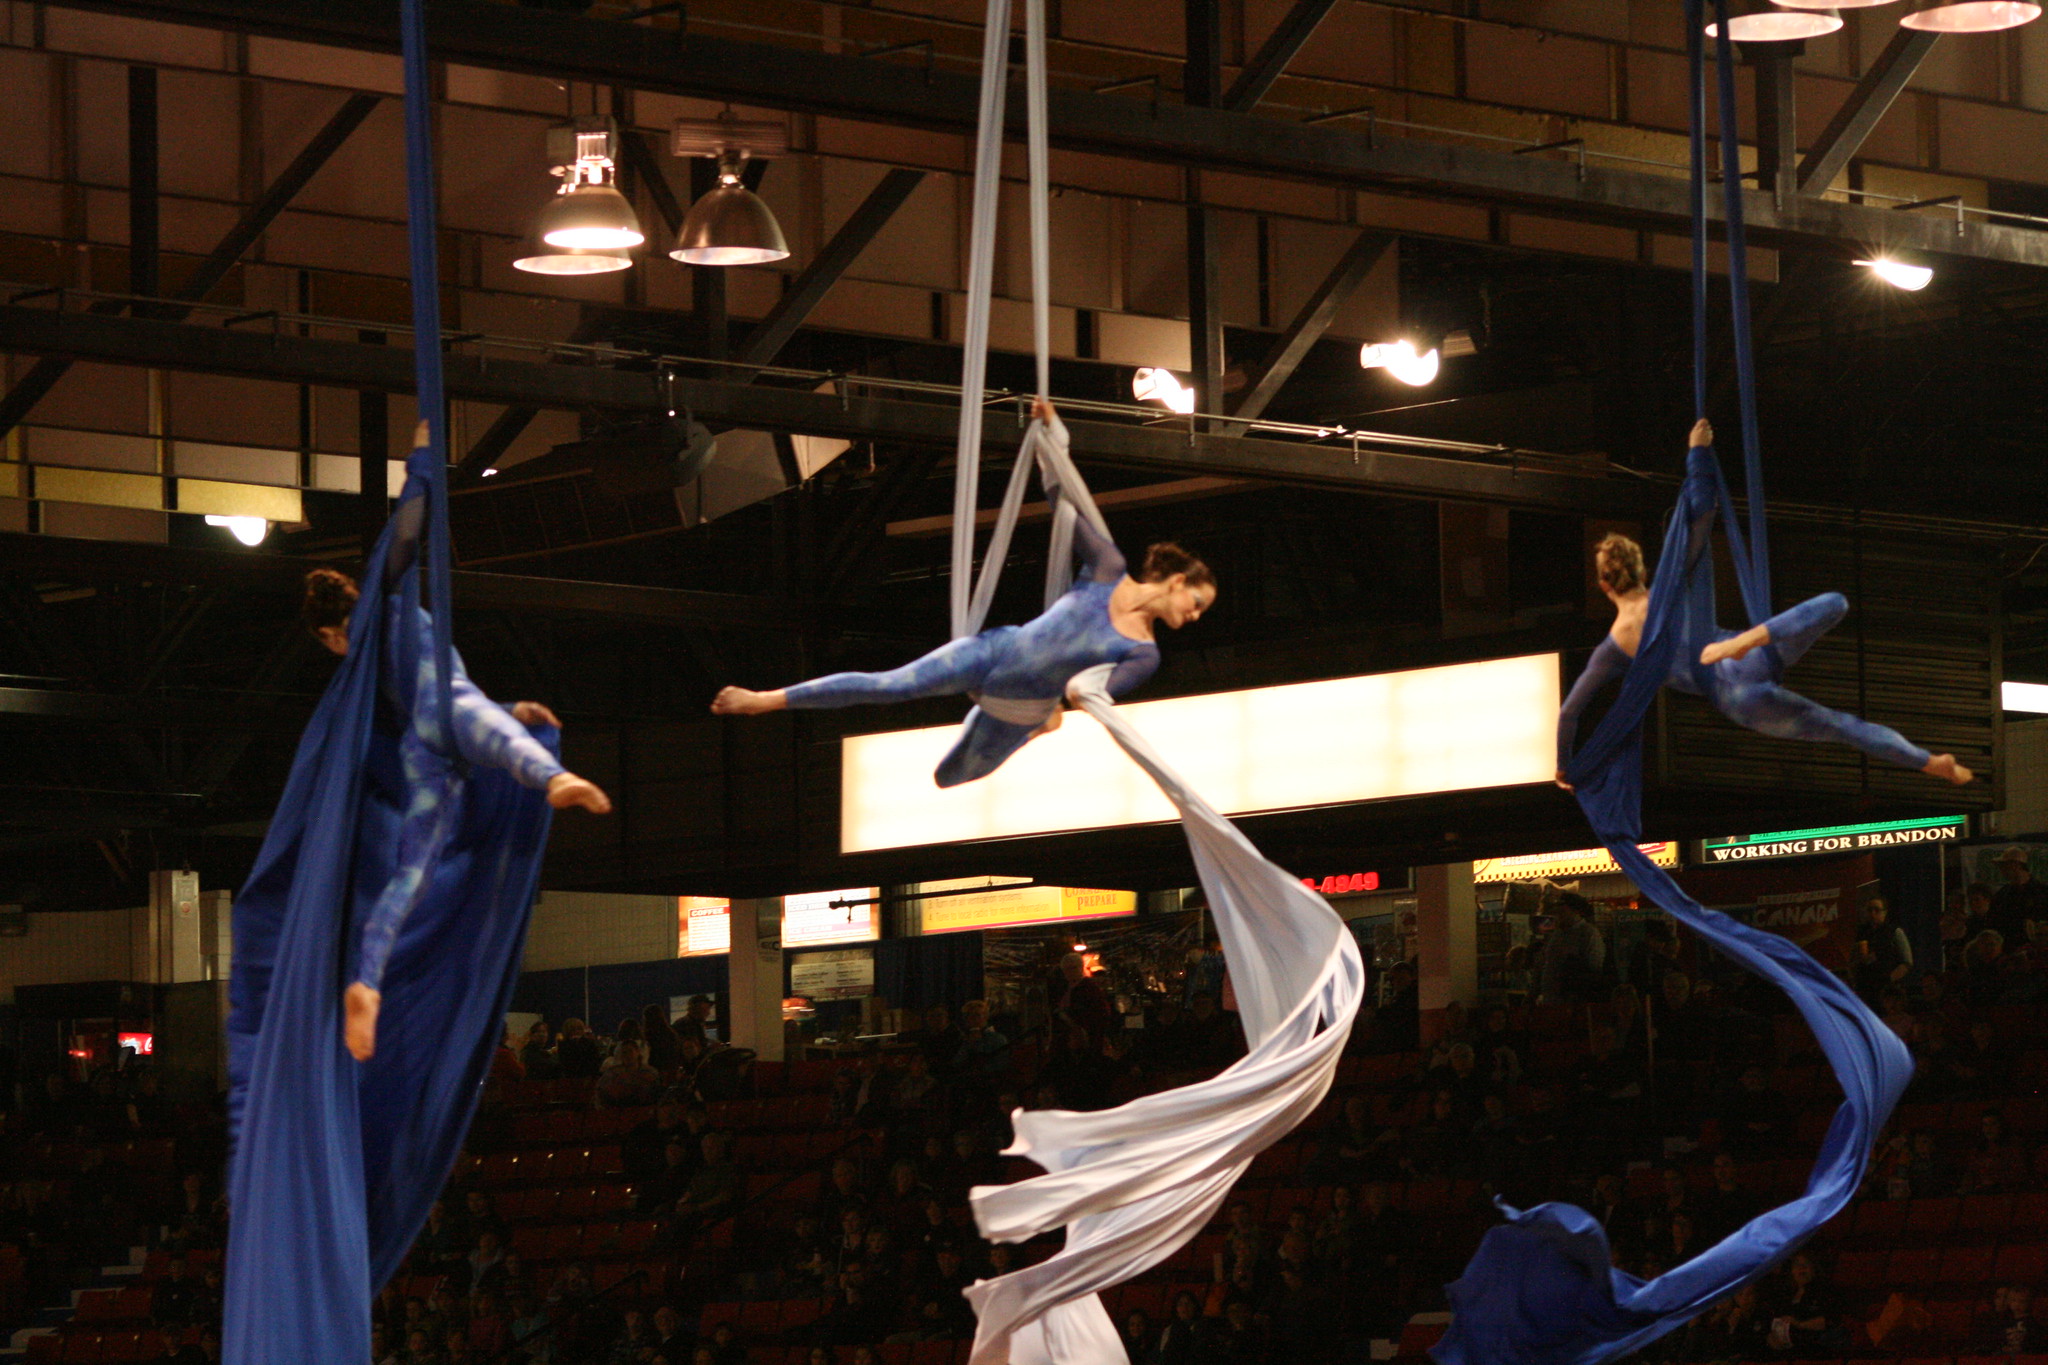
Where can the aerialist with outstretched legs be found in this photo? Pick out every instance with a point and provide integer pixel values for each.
(1737, 672)
(1018, 675)
(486, 735)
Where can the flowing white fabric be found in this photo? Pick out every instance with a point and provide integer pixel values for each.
(1133, 1184)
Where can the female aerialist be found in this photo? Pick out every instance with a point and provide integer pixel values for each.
(1731, 673)
(1018, 675)
(486, 735)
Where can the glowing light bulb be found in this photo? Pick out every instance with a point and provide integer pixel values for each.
(1401, 360)
(1899, 274)
(248, 530)
(1150, 385)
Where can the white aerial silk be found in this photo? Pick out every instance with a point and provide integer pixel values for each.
(1133, 1184)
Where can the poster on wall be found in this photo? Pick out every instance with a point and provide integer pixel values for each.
(1817, 903)
(703, 925)
(841, 974)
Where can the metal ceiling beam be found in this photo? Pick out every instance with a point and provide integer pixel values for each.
(37, 383)
(1285, 42)
(545, 42)
(28, 558)
(1311, 322)
(1867, 103)
(1387, 468)
(808, 289)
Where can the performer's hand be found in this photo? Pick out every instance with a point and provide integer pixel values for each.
(532, 713)
(1559, 779)
(1702, 433)
(1052, 723)
(567, 789)
(1041, 408)
(421, 436)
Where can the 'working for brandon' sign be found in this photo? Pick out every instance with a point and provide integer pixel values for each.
(1800, 843)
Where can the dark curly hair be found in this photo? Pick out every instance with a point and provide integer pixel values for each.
(1166, 559)
(330, 597)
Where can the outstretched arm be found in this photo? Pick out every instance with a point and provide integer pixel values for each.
(1696, 501)
(1607, 664)
(406, 524)
(1101, 561)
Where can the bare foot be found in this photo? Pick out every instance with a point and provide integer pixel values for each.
(1756, 637)
(1945, 767)
(567, 789)
(1559, 780)
(738, 701)
(359, 1020)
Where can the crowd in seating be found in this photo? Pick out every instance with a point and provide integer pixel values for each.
(652, 1197)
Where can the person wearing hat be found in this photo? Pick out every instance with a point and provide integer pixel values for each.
(2019, 904)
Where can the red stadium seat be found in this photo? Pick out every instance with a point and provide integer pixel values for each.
(1861, 1269)
(1985, 1213)
(1933, 1217)
(2021, 1263)
(1881, 1218)
(44, 1348)
(1913, 1268)
(1966, 1264)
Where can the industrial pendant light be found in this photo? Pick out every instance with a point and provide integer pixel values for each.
(587, 213)
(1970, 16)
(730, 225)
(1760, 21)
(1830, 4)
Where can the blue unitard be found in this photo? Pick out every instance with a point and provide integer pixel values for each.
(486, 735)
(1745, 690)
(1017, 674)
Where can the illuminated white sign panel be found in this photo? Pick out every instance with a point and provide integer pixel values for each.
(813, 918)
(705, 925)
(1456, 728)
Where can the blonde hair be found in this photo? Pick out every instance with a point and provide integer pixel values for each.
(1619, 563)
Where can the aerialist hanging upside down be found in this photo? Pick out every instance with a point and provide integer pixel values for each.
(1018, 675)
(1737, 672)
(486, 735)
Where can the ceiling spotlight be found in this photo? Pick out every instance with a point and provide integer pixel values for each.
(587, 213)
(1899, 274)
(1401, 360)
(1759, 21)
(1163, 387)
(248, 530)
(731, 225)
(1970, 16)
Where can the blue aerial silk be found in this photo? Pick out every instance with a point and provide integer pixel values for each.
(1541, 1289)
(335, 1163)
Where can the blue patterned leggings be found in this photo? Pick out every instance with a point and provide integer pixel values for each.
(486, 735)
(1746, 690)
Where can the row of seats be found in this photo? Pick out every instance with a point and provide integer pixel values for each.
(104, 1348)
(1891, 1220)
(1919, 1267)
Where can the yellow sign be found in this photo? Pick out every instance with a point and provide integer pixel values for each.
(1583, 862)
(994, 902)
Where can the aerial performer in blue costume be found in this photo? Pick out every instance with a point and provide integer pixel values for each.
(1019, 675)
(485, 735)
(378, 937)
(1542, 1288)
(1737, 672)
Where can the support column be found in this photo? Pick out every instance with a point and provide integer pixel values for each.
(1446, 922)
(373, 453)
(754, 977)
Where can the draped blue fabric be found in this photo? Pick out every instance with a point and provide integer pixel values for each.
(334, 1162)
(1541, 1289)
